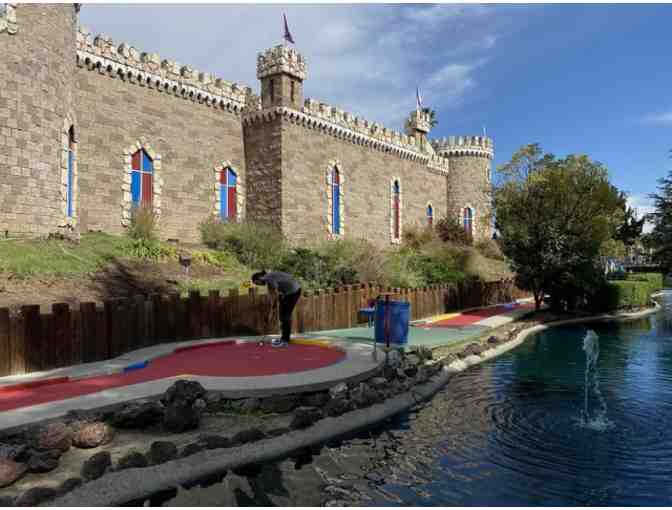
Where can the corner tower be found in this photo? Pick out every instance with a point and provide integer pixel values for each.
(469, 185)
(38, 146)
(281, 70)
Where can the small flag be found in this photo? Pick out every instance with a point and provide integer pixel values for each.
(288, 36)
(418, 98)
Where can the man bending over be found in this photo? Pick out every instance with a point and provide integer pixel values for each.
(289, 292)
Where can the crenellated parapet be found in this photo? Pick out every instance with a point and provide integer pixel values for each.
(281, 59)
(8, 18)
(123, 61)
(464, 146)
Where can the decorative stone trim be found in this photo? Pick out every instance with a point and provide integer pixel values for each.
(8, 18)
(148, 70)
(479, 146)
(157, 182)
(393, 239)
(334, 163)
(281, 59)
(68, 122)
(240, 198)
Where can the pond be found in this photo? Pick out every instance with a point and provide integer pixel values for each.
(578, 415)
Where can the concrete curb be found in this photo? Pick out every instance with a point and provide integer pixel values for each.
(137, 484)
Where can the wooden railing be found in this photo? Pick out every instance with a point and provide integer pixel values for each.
(32, 341)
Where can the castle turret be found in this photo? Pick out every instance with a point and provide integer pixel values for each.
(469, 186)
(38, 149)
(281, 70)
(418, 125)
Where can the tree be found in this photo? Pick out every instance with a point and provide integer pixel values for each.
(553, 216)
(660, 237)
(630, 229)
(432, 116)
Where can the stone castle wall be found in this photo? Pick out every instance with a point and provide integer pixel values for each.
(36, 103)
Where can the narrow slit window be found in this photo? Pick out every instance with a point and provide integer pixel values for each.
(142, 174)
(71, 170)
(228, 195)
(335, 201)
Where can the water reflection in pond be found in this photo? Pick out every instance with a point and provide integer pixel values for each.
(507, 432)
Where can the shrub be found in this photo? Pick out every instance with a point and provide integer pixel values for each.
(449, 230)
(221, 259)
(415, 237)
(615, 295)
(401, 271)
(256, 245)
(148, 249)
(309, 266)
(655, 280)
(143, 224)
(490, 248)
(355, 260)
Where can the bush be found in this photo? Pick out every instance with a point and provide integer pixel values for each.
(401, 270)
(655, 280)
(143, 224)
(616, 295)
(148, 249)
(221, 259)
(355, 260)
(450, 230)
(310, 267)
(490, 248)
(415, 237)
(256, 245)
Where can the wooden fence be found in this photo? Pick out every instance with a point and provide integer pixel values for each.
(31, 341)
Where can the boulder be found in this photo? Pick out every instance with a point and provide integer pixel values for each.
(138, 415)
(363, 395)
(389, 373)
(249, 405)
(181, 416)
(192, 448)
(69, 484)
(315, 399)
(6, 501)
(132, 459)
(55, 436)
(423, 375)
(12, 451)
(305, 417)
(212, 442)
(161, 451)
(473, 349)
(493, 340)
(213, 397)
(412, 359)
(378, 383)
(10, 472)
(279, 404)
(35, 496)
(92, 434)
(339, 391)
(75, 417)
(42, 462)
(411, 370)
(401, 374)
(247, 436)
(184, 391)
(338, 406)
(96, 465)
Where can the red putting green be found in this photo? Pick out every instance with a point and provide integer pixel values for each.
(471, 318)
(223, 359)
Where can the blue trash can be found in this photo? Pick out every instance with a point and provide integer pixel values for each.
(399, 312)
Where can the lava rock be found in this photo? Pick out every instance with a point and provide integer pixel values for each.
(70, 484)
(249, 405)
(337, 407)
(473, 349)
(96, 465)
(339, 391)
(214, 397)
(401, 374)
(315, 399)
(35, 496)
(42, 462)
(304, 417)
(412, 359)
(181, 416)
(364, 395)
(279, 404)
(132, 460)
(92, 434)
(493, 340)
(76, 417)
(183, 391)
(389, 373)
(55, 436)
(139, 414)
(12, 451)
(247, 436)
(10, 472)
(424, 353)
(161, 451)
(423, 375)
(378, 383)
(6, 501)
(212, 442)
(278, 432)
(411, 370)
(192, 448)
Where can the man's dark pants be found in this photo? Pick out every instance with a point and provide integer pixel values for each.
(287, 304)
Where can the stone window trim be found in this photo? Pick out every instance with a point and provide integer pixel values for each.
(68, 123)
(157, 182)
(334, 163)
(240, 203)
(393, 238)
(8, 18)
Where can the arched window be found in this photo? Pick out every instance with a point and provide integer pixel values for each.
(228, 196)
(396, 210)
(430, 215)
(335, 201)
(71, 171)
(468, 220)
(142, 173)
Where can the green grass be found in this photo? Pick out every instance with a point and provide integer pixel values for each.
(25, 258)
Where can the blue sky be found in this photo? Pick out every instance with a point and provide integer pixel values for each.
(593, 79)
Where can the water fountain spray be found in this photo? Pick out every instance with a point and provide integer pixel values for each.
(599, 421)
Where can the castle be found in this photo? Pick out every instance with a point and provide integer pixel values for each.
(90, 129)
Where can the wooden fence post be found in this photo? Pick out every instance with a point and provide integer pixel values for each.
(36, 349)
(91, 343)
(5, 345)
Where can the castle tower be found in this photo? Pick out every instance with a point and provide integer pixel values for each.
(419, 125)
(281, 70)
(469, 185)
(38, 146)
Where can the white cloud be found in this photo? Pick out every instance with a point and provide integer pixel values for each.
(643, 205)
(658, 118)
(366, 59)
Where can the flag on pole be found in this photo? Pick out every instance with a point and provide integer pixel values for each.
(288, 36)
(418, 98)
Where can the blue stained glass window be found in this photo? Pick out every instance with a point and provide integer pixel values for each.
(430, 215)
(228, 198)
(335, 201)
